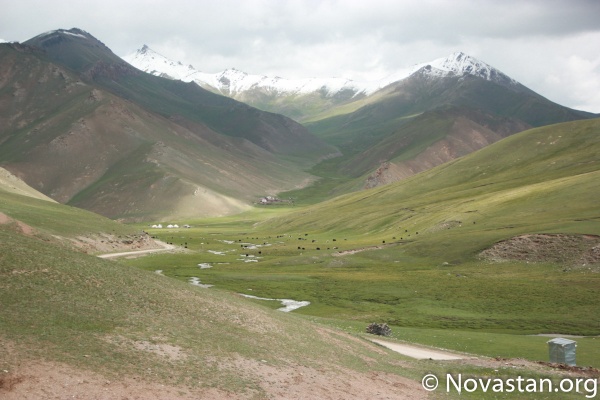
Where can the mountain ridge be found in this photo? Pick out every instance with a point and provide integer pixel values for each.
(176, 140)
(372, 123)
(86, 128)
(80, 51)
(391, 128)
(233, 83)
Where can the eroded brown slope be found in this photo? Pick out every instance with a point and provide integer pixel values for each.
(568, 250)
(83, 145)
(461, 132)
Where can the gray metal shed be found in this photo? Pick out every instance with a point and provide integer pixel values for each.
(562, 351)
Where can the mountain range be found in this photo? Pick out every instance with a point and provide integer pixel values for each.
(245, 87)
(392, 128)
(232, 82)
(87, 128)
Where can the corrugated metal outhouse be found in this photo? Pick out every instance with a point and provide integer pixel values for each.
(562, 351)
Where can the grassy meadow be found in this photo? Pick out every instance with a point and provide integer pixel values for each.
(386, 282)
(103, 316)
(409, 253)
(50, 218)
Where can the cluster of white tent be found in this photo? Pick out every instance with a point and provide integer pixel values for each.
(170, 226)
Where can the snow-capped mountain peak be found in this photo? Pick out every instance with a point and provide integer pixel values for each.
(154, 63)
(75, 32)
(232, 82)
(462, 64)
(456, 64)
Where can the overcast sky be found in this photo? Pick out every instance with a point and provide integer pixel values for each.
(551, 46)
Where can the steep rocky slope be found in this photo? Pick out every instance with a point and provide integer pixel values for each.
(85, 128)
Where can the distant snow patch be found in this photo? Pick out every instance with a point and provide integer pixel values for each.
(74, 34)
(204, 265)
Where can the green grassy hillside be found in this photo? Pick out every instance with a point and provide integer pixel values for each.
(48, 218)
(90, 313)
(121, 330)
(409, 253)
(81, 314)
(421, 122)
(535, 173)
(130, 326)
(12, 184)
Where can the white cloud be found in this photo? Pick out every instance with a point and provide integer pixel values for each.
(582, 76)
(550, 46)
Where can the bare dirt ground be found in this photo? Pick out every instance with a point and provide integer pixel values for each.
(42, 380)
(137, 253)
(572, 251)
(109, 243)
(20, 226)
(354, 251)
(50, 380)
(420, 353)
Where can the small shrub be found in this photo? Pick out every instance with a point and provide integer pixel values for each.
(379, 329)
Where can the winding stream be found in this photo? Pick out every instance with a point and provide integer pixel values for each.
(288, 304)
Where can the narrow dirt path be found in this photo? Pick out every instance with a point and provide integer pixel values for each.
(165, 247)
(420, 353)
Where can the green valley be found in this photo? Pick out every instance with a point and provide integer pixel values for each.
(158, 240)
(412, 253)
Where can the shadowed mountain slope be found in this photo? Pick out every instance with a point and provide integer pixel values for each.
(85, 128)
(81, 52)
(390, 128)
(406, 126)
